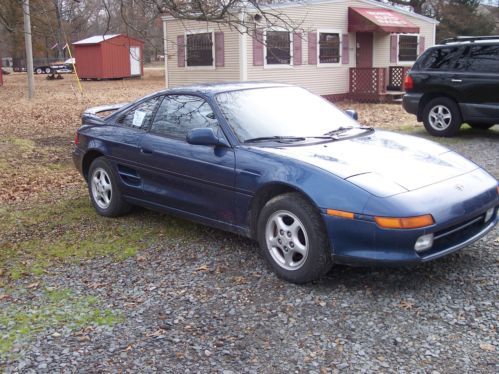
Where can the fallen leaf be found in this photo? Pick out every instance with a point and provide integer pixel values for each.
(33, 285)
(407, 305)
(487, 347)
(96, 285)
(203, 268)
(240, 280)
(5, 297)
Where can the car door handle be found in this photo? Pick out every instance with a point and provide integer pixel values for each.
(146, 151)
(456, 80)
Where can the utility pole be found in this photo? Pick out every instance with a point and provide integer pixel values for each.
(29, 49)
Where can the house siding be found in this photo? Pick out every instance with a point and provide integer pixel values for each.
(180, 76)
(322, 80)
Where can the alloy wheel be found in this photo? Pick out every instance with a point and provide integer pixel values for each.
(101, 187)
(287, 240)
(440, 117)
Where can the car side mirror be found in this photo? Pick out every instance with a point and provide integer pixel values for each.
(205, 136)
(352, 113)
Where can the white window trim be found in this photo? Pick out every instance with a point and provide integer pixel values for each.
(406, 63)
(204, 31)
(329, 64)
(277, 66)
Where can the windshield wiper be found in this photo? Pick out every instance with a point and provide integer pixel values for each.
(280, 139)
(347, 128)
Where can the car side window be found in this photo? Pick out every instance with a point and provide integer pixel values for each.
(483, 59)
(441, 58)
(140, 116)
(178, 114)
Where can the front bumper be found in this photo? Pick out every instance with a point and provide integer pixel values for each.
(355, 242)
(459, 216)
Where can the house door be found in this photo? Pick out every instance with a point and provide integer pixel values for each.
(135, 60)
(364, 49)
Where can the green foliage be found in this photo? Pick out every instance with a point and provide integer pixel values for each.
(31, 240)
(53, 309)
(457, 17)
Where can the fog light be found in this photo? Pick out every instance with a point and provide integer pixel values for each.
(489, 214)
(423, 243)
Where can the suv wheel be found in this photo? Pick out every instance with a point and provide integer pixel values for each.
(441, 117)
(481, 126)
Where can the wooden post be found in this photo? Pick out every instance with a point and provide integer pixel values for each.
(29, 49)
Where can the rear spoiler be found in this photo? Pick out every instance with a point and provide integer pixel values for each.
(90, 115)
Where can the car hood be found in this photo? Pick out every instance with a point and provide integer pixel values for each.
(383, 163)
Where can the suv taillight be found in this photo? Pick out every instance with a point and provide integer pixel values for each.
(77, 140)
(408, 83)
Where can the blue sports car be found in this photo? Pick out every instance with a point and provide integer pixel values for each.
(285, 167)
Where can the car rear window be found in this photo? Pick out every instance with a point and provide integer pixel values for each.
(441, 58)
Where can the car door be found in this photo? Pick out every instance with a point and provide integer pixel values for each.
(123, 140)
(438, 73)
(479, 83)
(196, 179)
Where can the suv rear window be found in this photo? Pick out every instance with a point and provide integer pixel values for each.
(483, 59)
(441, 58)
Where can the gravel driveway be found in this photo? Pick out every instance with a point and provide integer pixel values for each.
(211, 304)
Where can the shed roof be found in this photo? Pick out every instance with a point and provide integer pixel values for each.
(96, 39)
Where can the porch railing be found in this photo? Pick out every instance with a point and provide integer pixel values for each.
(396, 75)
(368, 81)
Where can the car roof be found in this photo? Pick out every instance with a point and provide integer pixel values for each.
(471, 39)
(215, 88)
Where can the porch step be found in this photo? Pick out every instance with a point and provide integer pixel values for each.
(395, 96)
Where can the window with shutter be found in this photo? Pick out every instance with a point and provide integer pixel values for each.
(329, 47)
(278, 48)
(199, 49)
(408, 50)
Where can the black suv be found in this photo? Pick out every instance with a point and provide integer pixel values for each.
(455, 82)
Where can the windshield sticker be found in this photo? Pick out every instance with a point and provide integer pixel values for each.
(138, 118)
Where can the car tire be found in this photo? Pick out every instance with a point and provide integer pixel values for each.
(38, 70)
(442, 117)
(48, 70)
(481, 126)
(292, 236)
(104, 191)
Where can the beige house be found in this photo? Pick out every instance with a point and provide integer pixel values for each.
(336, 48)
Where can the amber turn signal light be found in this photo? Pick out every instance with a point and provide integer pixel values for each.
(340, 213)
(405, 223)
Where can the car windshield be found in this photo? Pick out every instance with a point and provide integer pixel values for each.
(280, 112)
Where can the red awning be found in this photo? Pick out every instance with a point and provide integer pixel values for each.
(379, 20)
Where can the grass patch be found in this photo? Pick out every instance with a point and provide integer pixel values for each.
(70, 231)
(24, 145)
(54, 309)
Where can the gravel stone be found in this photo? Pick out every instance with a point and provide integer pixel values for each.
(213, 305)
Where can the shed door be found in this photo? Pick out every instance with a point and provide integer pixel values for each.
(135, 60)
